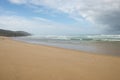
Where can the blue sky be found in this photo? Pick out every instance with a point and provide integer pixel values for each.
(54, 16)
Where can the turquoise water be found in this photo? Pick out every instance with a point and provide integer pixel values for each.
(102, 44)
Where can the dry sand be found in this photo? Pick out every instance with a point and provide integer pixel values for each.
(22, 61)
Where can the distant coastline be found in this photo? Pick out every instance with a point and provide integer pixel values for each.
(9, 33)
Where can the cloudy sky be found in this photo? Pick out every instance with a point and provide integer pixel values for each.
(61, 16)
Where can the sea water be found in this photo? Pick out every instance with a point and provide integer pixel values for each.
(98, 44)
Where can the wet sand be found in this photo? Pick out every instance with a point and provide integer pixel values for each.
(22, 61)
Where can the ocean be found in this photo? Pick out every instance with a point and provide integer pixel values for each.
(97, 44)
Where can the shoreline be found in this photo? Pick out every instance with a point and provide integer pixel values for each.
(83, 51)
(26, 61)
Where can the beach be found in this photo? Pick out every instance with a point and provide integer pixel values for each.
(23, 61)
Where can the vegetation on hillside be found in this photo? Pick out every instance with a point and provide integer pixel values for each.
(9, 33)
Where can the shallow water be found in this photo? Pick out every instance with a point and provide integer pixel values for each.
(108, 45)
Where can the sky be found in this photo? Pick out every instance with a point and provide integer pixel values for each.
(61, 17)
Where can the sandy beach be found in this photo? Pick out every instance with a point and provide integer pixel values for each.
(23, 61)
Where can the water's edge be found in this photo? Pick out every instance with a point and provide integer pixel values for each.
(96, 47)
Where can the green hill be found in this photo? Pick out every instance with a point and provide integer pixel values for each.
(9, 33)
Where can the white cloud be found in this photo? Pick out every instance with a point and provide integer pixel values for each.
(16, 22)
(37, 25)
(96, 11)
(85, 8)
(18, 1)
